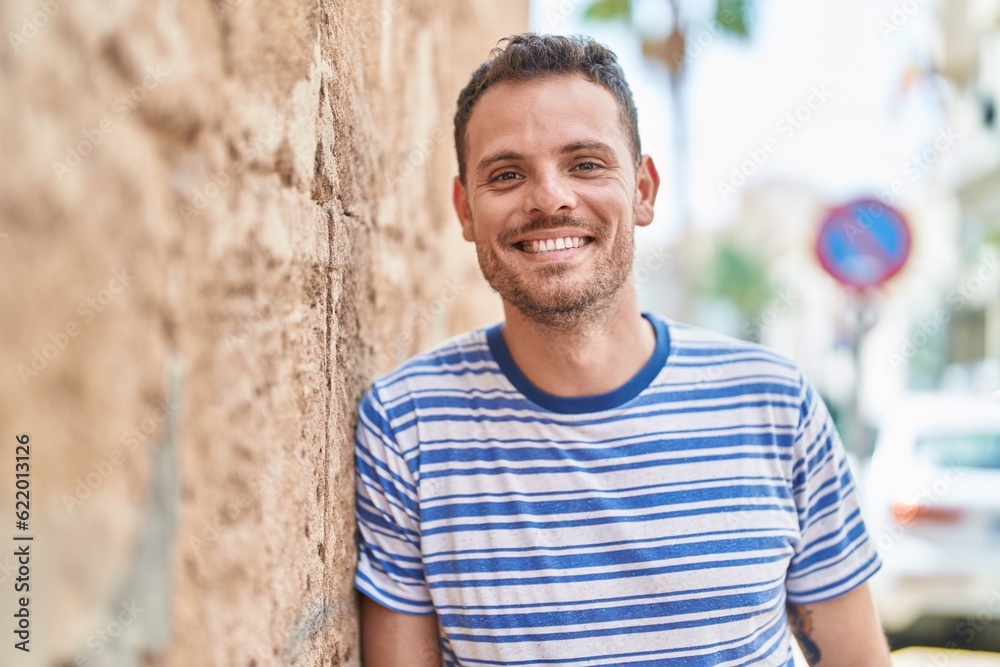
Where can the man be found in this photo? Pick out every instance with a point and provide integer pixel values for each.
(585, 483)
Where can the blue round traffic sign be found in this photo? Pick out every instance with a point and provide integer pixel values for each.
(863, 243)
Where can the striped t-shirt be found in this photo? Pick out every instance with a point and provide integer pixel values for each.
(665, 522)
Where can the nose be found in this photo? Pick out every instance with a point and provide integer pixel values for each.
(550, 193)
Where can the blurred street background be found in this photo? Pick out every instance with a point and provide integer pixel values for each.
(832, 190)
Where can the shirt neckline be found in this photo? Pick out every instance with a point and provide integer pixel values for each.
(581, 404)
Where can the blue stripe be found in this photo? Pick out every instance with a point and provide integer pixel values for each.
(539, 508)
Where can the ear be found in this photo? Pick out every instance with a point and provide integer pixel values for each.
(461, 202)
(647, 183)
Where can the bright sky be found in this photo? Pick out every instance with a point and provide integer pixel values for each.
(854, 143)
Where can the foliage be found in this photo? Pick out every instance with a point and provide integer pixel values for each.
(739, 275)
(732, 17)
(609, 10)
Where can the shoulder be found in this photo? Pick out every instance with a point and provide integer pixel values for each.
(445, 363)
(688, 342)
(699, 348)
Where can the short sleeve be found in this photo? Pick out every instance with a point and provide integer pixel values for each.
(834, 553)
(390, 568)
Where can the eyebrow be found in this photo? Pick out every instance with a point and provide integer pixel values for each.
(592, 145)
(501, 156)
(498, 157)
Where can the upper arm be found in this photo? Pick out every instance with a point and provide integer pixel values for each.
(830, 607)
(832, 553)
(398, 623)
(390, 564)
(391, 638)
(844, 630)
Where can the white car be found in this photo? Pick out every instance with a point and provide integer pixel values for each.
(931, 500)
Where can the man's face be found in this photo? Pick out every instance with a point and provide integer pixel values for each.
(549, 159)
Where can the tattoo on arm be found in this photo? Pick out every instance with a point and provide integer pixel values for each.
(800, 619)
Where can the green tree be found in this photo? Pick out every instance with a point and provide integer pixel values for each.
(739, 276)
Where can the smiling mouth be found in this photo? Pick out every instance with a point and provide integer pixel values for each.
(553, 245)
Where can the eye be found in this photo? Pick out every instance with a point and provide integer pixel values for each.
(587, 166)
(505, 176)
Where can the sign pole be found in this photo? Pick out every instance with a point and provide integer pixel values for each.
(863, 312)
(861, 244)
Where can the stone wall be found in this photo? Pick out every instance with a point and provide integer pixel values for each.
(218, 221)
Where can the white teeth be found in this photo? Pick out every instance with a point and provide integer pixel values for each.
(553, 244)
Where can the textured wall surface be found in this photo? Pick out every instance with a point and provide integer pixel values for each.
(218, 221)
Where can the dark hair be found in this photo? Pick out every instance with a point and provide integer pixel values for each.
(530, 56)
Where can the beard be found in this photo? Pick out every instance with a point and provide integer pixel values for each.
(547, 293)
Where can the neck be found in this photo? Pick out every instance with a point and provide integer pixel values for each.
(589, 357)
